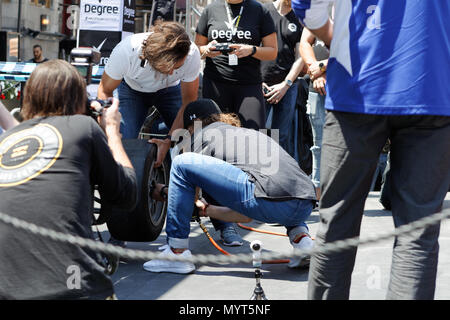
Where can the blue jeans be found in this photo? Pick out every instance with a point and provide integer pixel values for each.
(231, 188)
(134, 106)
(316, 112)
(283, 118)
(381, 167)
(385, 192)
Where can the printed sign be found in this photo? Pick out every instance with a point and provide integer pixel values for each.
(129, 13)
(101, 15)
(104, 23)
(103, 41)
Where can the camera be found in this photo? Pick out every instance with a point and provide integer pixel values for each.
(223, 47)
(84, 59)
(97, 112)
(256, 247)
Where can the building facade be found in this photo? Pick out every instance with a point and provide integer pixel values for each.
(53, 24)
(39, 23)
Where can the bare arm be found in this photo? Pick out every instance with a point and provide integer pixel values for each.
(7, 121)
(324, 33)
(269, 48)
(110, 120)
(189, 93)
(226, 214)
(277, 91)
(315, 68)
(267, 51)
(107, 86)
(314, 15)
(306, 49)
(110, 123)
(297, 66)
(220, 213)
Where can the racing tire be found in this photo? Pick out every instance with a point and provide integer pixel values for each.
(145, 222)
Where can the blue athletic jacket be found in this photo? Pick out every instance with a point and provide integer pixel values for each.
(387, 56)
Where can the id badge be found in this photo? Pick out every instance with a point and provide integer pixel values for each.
(232, 60)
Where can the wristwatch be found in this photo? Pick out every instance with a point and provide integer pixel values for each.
(253, 51)
(288, 82)
(322, 67)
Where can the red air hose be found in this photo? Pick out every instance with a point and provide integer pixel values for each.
(279, 261)
(262, 231)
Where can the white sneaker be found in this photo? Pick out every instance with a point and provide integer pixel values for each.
(163, 247)
(161, 265)
(305, 243)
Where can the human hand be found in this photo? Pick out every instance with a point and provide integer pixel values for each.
(202, 205)
(163, 147)
(110, 117)
(315, 71)
(319, 85)
(276, 92)
(241, 50)
(209, 50)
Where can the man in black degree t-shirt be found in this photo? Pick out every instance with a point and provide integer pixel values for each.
(245, 171)
(280, 75)
(49, 165)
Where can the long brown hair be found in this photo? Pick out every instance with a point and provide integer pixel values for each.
(228, 118)
(167, 44)
(54, 88)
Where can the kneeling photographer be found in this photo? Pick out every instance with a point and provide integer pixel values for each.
(49, 165)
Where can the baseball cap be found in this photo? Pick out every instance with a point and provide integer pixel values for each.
(199, 109)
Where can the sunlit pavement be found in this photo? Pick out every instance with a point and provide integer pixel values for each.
(237, 282)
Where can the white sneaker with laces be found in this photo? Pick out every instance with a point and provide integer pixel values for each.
(162, 265)
(305, 243)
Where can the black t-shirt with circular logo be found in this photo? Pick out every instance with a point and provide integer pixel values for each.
(48, 166)
(254, 24)
(289, 31)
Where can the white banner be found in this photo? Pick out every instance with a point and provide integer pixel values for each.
(101, 15)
